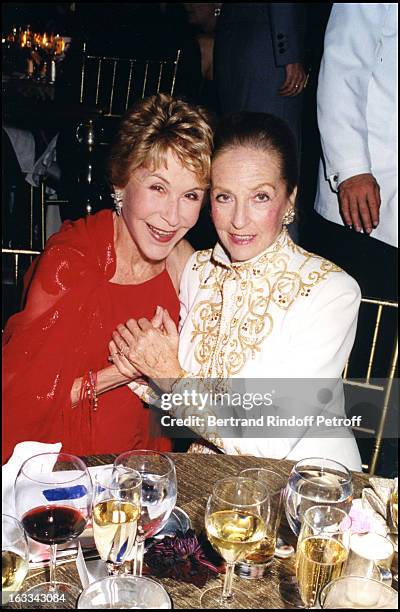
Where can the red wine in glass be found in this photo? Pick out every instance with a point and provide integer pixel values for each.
(53, 500)
(53, 524)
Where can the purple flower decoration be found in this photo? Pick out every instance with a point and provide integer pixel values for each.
(184, 557)
(360, 520)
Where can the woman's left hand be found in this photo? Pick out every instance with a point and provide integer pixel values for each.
(151, 351)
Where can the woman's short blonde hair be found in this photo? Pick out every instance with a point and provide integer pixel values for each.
(156, 125)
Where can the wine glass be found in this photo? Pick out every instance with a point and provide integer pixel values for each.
(322, 550)
(158, 494)
(316, 481)
(14, 557)
(356, 592)
(236, 520)
(124, 592)
(53, 496)
(256, 564)
(116, 510)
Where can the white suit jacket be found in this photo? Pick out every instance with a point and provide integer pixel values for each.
(357, 107)
(286, 314)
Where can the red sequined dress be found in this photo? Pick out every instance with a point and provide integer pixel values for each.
(63, 331)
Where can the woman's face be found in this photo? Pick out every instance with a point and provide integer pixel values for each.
(160, 206)
(248, 201)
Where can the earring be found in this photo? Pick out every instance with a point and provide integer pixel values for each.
(288, 217)
(118, 201)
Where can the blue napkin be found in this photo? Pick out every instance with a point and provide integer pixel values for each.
(74, 492)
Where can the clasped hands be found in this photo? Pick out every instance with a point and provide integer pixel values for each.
(143, 348)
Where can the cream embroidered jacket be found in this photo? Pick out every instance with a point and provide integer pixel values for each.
(285, 314)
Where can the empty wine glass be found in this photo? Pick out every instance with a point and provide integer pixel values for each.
(53, 497)
(356, 592)
(316, 481)
(116, 510)
(236, 519)
(14, 557)
(158, 494)
(124, 592)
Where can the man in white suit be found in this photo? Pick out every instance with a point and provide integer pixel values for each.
(357, 121)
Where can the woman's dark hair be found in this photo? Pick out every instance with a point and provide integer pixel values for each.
(263, 132)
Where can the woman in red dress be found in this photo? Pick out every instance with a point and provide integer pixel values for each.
(58, 385)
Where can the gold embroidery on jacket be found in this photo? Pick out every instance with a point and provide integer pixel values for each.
(231, 325)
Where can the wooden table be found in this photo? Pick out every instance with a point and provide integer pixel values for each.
(196, 475)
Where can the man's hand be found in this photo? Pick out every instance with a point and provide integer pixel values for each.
(295, 80)
(359, 198)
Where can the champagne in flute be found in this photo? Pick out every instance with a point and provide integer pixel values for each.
(234, 534)
(322, 550)
(158, 494)
(116, 511)
(318, 561)
(114, 528)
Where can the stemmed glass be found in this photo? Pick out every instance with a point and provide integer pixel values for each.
(116, 510)
(53, 497)
(313, 481)
(316, 481)
(349, 592)
(14, 556)
(322, 550)
(236, 520)
(158, 494)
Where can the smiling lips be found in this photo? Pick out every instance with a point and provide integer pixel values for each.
(160, 235)
(242, 240)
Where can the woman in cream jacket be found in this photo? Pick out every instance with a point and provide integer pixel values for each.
(257, 312)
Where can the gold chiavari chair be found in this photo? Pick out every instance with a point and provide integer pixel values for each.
(112, 84)
(19, 249)
(371, 372)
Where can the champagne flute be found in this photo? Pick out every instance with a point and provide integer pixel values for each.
(53, 496)
(322, 550)
(14, 557)
(116, 510)
(158, 494)
(236, 519)
(316, 481)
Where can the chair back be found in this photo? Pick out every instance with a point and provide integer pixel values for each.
(23, 238)
(112, 84)
(370, 374)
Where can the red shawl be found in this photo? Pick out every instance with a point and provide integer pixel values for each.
(63, 332)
